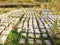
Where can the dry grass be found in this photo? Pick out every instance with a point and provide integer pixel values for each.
(5, 10)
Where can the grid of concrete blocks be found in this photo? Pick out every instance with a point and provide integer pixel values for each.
(7, 21)
(32, 27)
(35, 29)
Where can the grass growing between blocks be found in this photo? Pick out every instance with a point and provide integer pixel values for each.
(54, 28)
(36, 15)
(55, 33)
(46, 21)
(13, 38)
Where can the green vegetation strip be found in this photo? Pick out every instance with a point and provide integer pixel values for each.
(4, 11)
(13, 38)
(54, 29)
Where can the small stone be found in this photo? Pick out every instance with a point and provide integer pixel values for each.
(22, 41)
(30, 27)
(2, 27)
(47, 26)
(19, 30)
(20, 25)
(37, 35)
(0, 31)
(24, 34)
(47, 42)
(5, 24)
(30, 41)
(3, 39)
(32, 31)
(31, 35)
(43, 30)
(41, 26)
(5, 32)
(25, 30)
(38, 41)
(9, 28)
(37, 31)
(44, 35)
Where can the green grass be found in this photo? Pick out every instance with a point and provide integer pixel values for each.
(13, 38)
(54, 29)
(59, 21)
(21, 1)
(36, 15)
(8, 16)
(4, 11)
(55, 26)
(46, 21)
